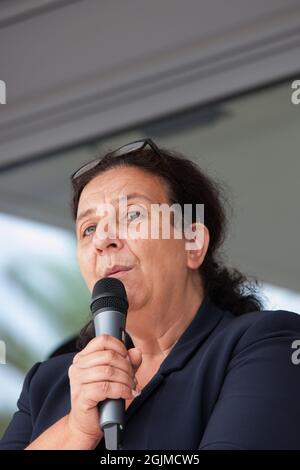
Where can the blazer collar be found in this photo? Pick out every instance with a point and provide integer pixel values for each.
(206, 319)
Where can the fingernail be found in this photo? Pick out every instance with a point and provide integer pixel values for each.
(136, 393)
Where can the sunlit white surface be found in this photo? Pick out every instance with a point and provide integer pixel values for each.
(278, 298)
(21, 240)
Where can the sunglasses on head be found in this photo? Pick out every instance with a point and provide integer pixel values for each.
(124, 150)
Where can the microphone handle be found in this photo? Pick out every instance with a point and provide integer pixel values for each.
(112, 411)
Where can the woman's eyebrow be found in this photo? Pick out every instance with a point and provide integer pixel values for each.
(84, 214)
(91, 210)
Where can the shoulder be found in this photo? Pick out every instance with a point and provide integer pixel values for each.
(256, 382)
(58, 362)
(262, 341)
(265, 324)
(46, 375)
(255, 334)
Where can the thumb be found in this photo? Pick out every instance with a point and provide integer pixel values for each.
(135, 356)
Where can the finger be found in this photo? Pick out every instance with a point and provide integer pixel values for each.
(101, 343)
(108, 357)
(106, 374)
(101, 390)
(135, 356)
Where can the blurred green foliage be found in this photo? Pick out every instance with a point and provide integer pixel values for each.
(60, 295)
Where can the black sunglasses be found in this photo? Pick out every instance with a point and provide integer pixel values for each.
(124, 150)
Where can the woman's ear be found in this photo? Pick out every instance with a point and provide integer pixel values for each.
(197, 245)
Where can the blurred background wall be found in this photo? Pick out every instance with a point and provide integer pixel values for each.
(207, 78)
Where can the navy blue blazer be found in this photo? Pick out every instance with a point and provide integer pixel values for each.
(228, 383)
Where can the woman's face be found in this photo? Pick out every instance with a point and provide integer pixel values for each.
(157, 265)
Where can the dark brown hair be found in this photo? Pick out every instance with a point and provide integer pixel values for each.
(187, 184)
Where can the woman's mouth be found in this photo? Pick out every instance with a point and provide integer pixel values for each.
(117, 271)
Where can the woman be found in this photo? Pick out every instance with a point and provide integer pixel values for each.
(203, 366)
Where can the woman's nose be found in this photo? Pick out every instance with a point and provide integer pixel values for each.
(104, 239)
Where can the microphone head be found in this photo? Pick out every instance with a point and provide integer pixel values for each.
(109, 294)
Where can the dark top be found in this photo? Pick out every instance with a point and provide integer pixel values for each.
(228, 383)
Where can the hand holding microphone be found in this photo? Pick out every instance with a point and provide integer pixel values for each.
(104, 371)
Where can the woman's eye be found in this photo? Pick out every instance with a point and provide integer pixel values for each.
(84, 233)
(132, 215)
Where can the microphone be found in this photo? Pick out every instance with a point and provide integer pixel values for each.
(109, 306)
